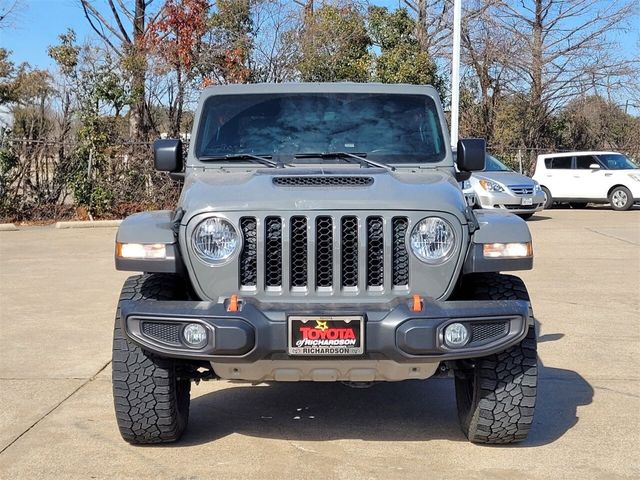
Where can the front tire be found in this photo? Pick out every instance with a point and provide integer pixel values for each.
(621, 199)
(548, 199)
(496, 395)
(151, 394)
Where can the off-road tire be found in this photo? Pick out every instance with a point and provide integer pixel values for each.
(151, 397)
(496, 395)
(623, 192)
(548, 199)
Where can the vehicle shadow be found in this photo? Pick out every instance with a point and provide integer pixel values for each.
(537, 218)
(404, 411)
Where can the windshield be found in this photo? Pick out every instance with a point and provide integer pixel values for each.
(616, 161)
(390, 128)
(492, 164)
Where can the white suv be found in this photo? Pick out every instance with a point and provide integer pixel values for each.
(583, 177)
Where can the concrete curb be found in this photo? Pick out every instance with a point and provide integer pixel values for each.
(8, 227)
(89, 224)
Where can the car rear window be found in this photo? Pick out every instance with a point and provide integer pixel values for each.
(558, 163)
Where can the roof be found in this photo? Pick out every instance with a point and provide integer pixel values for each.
(337, 87)
(571, 154)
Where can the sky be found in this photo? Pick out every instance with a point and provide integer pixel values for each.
(39, 22)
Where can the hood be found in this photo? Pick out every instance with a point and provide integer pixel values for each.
(505, 178)
(321, 188)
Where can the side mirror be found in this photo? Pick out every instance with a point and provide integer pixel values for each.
(167, 155)
(471, 154)
(594, 166)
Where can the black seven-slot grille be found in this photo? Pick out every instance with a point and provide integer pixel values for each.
(347, 252)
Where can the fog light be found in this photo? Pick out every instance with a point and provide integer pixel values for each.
(195, 335)
(456, 335)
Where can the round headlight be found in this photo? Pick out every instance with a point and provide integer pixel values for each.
(432, 240)
(215, 240)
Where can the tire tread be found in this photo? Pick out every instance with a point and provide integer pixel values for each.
(503, 392)
(151, 400)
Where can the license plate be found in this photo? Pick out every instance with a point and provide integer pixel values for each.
(527, 201)
(326, 335)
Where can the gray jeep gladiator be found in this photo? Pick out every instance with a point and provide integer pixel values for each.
(322, 235)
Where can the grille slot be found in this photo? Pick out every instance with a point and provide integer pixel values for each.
(325, 181)
(485, 331)
(400, 261)
(324, 251)
(349, 256)
(273, 252)
(249, 254)
(168, 333)
(375, 252)
(522, 189)
(299, 256)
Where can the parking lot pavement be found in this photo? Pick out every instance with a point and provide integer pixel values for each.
(58, 291)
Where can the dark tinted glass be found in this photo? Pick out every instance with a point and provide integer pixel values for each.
(584, 161)
(558, 162)
(394, 128)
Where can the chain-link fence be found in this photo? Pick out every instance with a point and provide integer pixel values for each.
(43, 180)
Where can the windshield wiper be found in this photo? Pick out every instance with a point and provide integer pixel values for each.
(349, 157)
(263, 159)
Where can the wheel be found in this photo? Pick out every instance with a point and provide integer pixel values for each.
(621, 199)
(151, 397)
(496, 395)
(525, 216)
(548, 199)
(578, 205)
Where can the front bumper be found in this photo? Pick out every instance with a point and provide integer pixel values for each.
(392, 331)
(511, 202)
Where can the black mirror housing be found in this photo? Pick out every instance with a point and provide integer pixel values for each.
(167, 155)
(471, 154)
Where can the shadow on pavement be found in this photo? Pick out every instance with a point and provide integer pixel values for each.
(404, 411)
(537, 218)
(550, 337)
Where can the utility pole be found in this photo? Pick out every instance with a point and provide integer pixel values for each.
(455, 71)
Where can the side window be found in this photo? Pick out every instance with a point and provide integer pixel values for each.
(583, 162)
(558, 163)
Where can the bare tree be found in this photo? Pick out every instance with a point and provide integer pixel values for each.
(123, 29)
(275, 24)
(433, 25)
(565, 49)
(8, 11)
(488, 49)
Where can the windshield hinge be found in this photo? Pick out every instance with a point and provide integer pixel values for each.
(176, 219)
(472, 221)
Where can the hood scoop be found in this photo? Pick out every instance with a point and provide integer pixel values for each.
(322, 181)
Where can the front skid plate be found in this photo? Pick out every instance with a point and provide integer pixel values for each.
(324, 370)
